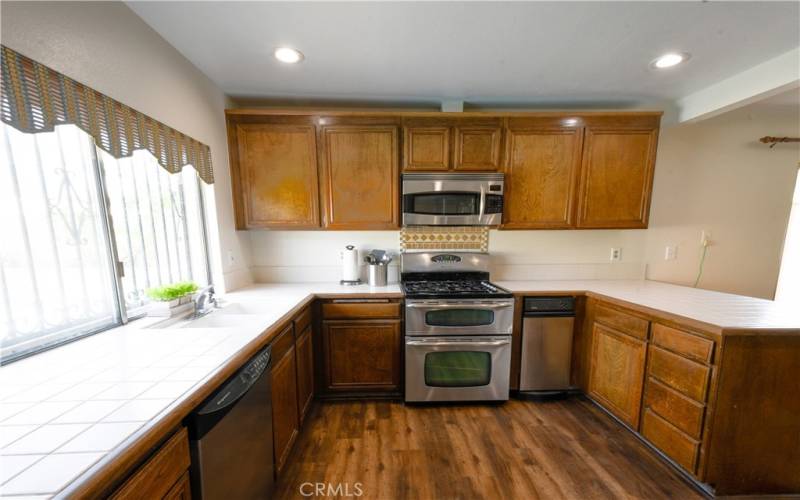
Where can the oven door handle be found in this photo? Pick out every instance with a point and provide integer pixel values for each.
(482, 207)
(486, 343)
(458, 306)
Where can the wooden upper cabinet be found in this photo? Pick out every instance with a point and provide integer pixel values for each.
(449, 144)
(341, 170)
(361, 177)
(617, 178)
(277, 176)
(426, 148)
(541, 177)
(477, 148)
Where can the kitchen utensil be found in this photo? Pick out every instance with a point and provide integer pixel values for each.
(378, 261)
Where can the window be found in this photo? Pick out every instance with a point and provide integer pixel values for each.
(69, 212)
(789, 279)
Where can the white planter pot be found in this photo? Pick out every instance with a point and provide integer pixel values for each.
(166, 309)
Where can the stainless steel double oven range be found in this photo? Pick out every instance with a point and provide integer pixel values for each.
(458, 329)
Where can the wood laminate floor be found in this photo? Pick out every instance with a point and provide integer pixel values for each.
(518, 450)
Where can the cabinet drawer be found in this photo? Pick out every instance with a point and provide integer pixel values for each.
(282, 343)
(158, 475)
(667, 438)
(681, 374)
(622, 322)
(683, 343)
(358, 310)
(302, 320)
(677, 409)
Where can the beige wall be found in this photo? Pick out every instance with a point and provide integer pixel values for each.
(108, 47)
(714, 175)
(307, 256)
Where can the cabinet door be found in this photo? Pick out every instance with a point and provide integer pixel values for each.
(182, 490)
(541, 178)
(617, 373)
(305, 372)
(477, 148)
(278, 176)
(362, 180)
(284, 406)
(426, 148)
(617, 178)
(362, 356)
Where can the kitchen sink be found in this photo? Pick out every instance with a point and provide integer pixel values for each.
(217, 320)
(228, 317)
(239, 308)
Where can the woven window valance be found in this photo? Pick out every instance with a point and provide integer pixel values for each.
(35, 98)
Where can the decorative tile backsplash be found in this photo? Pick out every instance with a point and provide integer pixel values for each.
(465, 238)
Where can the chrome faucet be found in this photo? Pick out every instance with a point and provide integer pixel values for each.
(205, 301)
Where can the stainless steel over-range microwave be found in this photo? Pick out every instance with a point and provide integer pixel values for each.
(452, 199)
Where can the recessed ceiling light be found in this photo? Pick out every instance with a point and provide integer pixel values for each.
(288, 55)
(670, 60)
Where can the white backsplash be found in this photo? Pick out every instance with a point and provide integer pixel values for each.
(313, 256)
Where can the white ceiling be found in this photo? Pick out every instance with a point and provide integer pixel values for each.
(554, 54)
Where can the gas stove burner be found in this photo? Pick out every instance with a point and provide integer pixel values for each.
(454, 288)
(459, 275)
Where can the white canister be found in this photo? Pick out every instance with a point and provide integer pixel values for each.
(350, 266)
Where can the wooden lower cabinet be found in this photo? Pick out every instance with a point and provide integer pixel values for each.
(720, 404)
(305, 372)
(182, 490)
(684, 413)
(163, 475)
(669, 439)
(362, 356)
(617, 372)
(285, 423)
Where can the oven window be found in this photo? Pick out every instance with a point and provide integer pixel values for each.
(442, 203)
(459, 317)
(458, 369)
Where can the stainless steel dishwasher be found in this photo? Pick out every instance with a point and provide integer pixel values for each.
(230, 436)
(547, 330)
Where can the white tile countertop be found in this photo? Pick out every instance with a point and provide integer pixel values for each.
(66, 413)
(724, 310)
(64, 410)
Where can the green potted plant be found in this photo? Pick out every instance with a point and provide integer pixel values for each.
(169, 300)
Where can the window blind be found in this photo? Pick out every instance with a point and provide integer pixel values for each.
(36, 98)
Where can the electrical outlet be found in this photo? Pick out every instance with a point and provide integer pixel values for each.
(705, 237)
(616, 254)
(231, 259)
(671, 252)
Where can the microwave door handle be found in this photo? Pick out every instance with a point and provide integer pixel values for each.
(483, 343)
(482, 208)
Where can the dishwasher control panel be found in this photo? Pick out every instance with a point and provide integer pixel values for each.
(539, 305)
